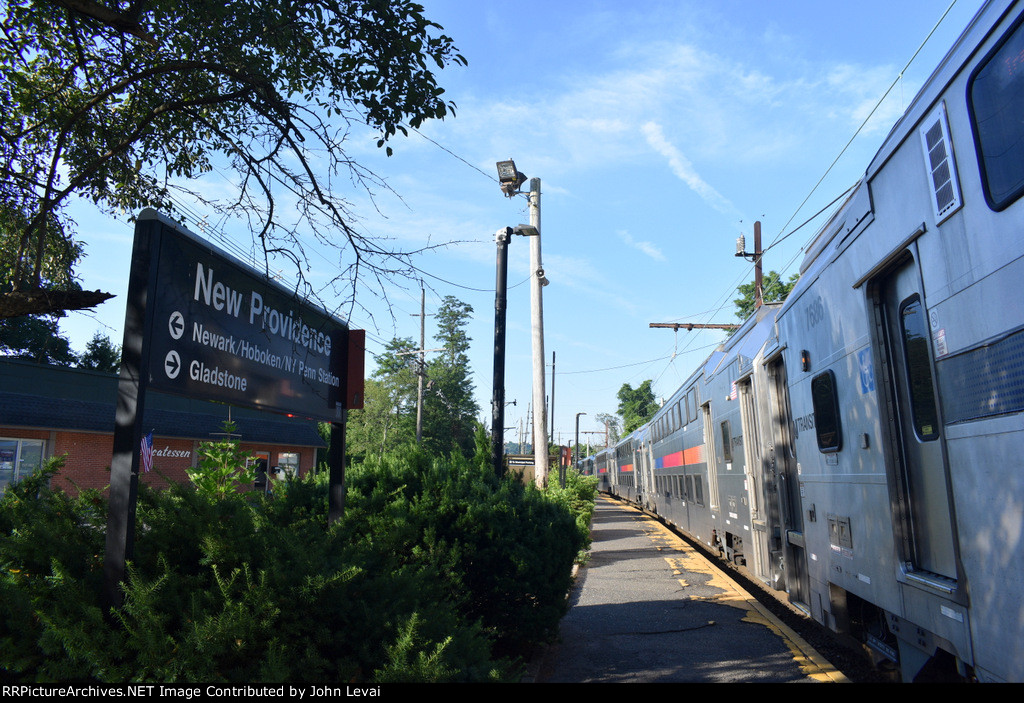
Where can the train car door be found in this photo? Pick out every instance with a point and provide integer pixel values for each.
(924, 511)
(787, 476)
(639, 470)
(648, 473)
(752, 477)
(711, 459)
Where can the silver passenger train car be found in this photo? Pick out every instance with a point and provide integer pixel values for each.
(861, 446)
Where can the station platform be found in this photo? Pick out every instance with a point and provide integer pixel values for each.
(648, 608)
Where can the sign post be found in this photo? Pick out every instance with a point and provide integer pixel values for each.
(201, 324)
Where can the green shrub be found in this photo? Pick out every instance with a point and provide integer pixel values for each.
(438, 571)
(223, 467)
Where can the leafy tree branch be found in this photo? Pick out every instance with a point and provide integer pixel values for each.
(127, 103)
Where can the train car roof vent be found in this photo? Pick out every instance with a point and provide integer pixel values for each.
(939, 164)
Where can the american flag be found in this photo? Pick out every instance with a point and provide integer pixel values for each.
(146, 452)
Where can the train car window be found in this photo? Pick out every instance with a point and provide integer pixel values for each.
(996, 99)
(825, 400)
(698, 491)
(726, 442)
(919, 369)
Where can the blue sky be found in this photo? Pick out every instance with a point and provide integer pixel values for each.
(660, 129)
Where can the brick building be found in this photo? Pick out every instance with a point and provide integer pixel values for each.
(50, 411)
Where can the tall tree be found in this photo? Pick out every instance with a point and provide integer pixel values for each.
(636, 405)
(378, 426)
(124, 103)
(388, 417)
(449, 409)
(101, 354)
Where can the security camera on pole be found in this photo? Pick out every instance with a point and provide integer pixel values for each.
(511, 179)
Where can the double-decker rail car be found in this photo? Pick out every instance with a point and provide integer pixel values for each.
(600, 466)
(862, 446)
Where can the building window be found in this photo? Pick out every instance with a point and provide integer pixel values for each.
(19, 458)
(289, 463)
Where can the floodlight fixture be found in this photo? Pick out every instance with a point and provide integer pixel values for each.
(509, 177)
(526, 231)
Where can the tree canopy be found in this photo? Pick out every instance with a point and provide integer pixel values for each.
(101, 354)
(449, 409)
(35, 338)
(774, 290)
(125, 104)
(636, 405)
(388, 417)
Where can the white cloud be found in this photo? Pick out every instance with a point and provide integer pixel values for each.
(684, 170)
(647, 248)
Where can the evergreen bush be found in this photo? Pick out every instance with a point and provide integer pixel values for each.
(439, 571)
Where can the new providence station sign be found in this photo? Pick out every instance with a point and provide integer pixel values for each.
(202, 324)
(220, 331)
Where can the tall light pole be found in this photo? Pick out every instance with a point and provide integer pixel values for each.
(502, 238)
(421, 370)
(540, 423)
(576, 447)
(510, 179)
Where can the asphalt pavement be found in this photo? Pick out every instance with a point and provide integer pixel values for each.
(648, 608)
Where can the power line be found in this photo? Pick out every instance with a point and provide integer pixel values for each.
(870, 114)
(445, 149)
(614, 368)
(845, 148)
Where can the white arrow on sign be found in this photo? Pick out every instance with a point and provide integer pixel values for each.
(176, 325)
(172, 364)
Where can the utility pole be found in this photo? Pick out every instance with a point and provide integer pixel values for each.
(540, 428)
(604, 432)
(755, 257)
(551, 409)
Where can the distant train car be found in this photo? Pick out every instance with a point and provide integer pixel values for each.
(862, 446)
(601, 467)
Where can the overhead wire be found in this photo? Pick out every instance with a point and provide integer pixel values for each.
(871, 114)
(710, 314)
(780, 238)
